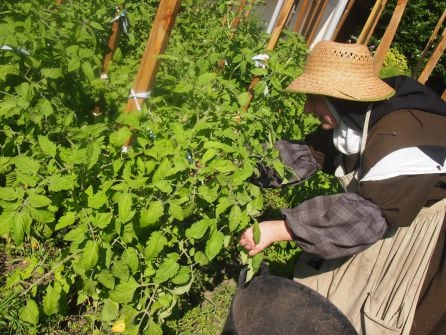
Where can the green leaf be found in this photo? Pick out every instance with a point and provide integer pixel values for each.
(120, 270)
(48, 147)
(163, 186)
(154, 328)
(38, 200)
(207, 193)
(219, 145)
(176, 211)
(90, 255)
(223, 204)
(155, 244)
(102, 220)
(106, 279)
(152, 214)
(130, 256)
(201, 258)
(206, 78)
(52, 299)
(198, 229)
(30, 312)
(53, 73)
(182, 276)
(208, 155)
(168, 268)
(125, 203)
(20, 224)
(66, 220)
(123, 293)
(97, 200)
(234, 218)
(74, 63)
(87, 69)
(110, 310)
(26, 165)
(214, 244)
(243, 99)
(119, 137)
(8, 193)
(58, 183)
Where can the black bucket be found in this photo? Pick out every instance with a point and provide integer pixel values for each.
(279, 306)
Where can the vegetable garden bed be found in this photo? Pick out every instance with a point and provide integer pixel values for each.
(96, 240)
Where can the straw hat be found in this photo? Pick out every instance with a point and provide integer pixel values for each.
(342, 71)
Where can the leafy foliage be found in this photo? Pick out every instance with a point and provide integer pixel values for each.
(119, 238)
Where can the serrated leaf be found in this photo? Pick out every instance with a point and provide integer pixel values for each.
(106, 279)
(102, 220)
(208, 155)
(201, 258)
(119, 137)
(154, 328)
(176, 211)
(97, 200)
(73, 64)
(130, 256)
(20, 224)
(234, 218)
(207, 193)
(223, 204)
(198, 229)
(48, 147)
(58, 183)
(238, 177)
(30, 312)
(219, 145)
(163, 186)
(214, 244)
(90, 256)
(110, 310)
(51, 299)
(125, 204)
(168, 268)
(87, 69)
(66, 220)
(182, 277)
(26, 165)
(243, 99)
(154, 245)
(53, 73)
(152, 214)
(38, 200)
(8, 193)
(123, 292)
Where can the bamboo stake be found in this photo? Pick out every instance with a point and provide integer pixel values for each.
(436, 55)
(373, 17)
(156, 44)
(58, 2)
(429, 43)
(275, 34)
(343, 19)
(375, 22)
(318, 17)
(389, 34)
(301, 16)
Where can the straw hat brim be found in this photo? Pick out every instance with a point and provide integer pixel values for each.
(356, 89)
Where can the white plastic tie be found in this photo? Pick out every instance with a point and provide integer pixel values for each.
(260, 60)
(139, 95)
(125, 149)
(21, 50)
(104, 76)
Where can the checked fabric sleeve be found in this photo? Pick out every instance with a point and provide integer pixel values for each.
(334, 226)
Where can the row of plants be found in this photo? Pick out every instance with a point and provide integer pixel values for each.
(96, 240)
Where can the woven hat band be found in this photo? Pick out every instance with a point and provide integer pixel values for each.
(343, 71)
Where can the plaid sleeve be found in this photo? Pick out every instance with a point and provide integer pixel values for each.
(335, 226)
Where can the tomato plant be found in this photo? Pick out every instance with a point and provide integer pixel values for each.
(119, 238)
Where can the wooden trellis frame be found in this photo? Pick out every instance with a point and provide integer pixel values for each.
(389, 34)
(372, 21)
(435, 57)
(429, 43)
(316, 19)
(156, 44)
(344, 16)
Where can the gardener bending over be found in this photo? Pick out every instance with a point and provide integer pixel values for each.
(386, 142)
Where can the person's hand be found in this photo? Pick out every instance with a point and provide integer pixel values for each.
(270, 232)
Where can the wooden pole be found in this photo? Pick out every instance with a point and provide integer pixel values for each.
(375, 22)
(436, 55)
(317, 19)
(156, 44)
(112, 42)
(389, 34)
(373, 17)
(342, 20)
(275, 34)
(306, 28)
(58, 2)
(159, 35)
(429, 43)
(301, 16)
